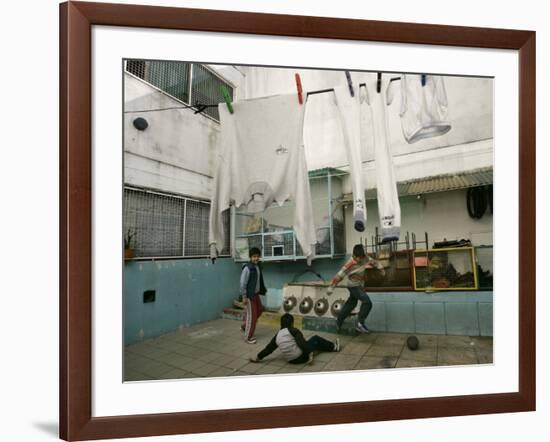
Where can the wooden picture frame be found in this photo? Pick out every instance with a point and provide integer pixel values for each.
(76, 20)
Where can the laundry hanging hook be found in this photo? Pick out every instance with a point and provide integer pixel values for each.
(378, 82)
(423, 80)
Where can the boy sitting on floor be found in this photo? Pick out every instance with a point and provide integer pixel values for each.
(294, 348)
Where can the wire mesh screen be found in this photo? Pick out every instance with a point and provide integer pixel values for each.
(157, 222)
(196, 228)
(484, 257)
(397, 270)
(206, 89)
(451, 269)
(171, 77)
(136, 67)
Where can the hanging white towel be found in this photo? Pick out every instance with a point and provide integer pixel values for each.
(389, 211)
(349, 112)
(262, 161)
(424, 109)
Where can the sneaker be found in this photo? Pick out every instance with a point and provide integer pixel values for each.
(337, 345)
(361, 328)
(251, 340)
(310, 358)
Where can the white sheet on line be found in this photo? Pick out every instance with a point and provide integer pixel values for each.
(262, 161)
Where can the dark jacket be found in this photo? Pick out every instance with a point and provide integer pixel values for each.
(300, 342)
(252, 280)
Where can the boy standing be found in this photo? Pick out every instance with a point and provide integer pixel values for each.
(294, 348)
(252, 285)
(355, 272)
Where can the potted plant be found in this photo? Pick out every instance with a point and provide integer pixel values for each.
(128, 244)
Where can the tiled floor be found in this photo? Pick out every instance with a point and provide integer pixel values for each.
(217, 348)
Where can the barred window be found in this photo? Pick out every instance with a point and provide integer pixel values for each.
(162, 225)
(192, 83)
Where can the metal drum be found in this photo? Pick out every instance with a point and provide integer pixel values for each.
(306, 305)
(321, 306)
(336, 307)
(289, 303)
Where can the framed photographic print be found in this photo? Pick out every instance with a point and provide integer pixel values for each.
(333, 217)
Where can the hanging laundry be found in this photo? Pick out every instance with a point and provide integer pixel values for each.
(262, 161)
(424, 107)
(389, 211)
(349, 113)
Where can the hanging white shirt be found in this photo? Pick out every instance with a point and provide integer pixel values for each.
(424, 109)
(262, 161)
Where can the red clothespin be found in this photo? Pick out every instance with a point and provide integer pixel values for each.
(299, 88)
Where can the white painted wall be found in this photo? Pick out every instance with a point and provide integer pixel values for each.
(176, 153)
(442, 215)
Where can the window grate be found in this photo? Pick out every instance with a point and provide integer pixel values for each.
(206, 89)
(170, 76)
(174, 78)
(136, 67)
(161, 223)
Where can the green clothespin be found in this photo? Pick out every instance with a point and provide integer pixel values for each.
(227, 98)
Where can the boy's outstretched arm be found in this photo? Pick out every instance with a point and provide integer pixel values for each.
(269, 348)
(340, 275)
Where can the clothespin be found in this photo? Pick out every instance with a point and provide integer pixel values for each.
(378, 82)
(350, 84)
(299, 88)
(423, 79)
(227, 98)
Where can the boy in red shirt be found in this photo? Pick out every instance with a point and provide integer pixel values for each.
(354, 272)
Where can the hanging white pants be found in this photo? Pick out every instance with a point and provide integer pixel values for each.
(389, 211)
(349, 112)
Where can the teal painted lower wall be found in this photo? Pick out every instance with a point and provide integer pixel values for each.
(188, 291)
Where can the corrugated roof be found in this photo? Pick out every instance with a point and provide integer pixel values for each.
(325, 171)
(439, 183)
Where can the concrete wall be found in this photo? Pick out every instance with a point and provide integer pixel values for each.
(177, 152)
(442, 215)
(188, 291)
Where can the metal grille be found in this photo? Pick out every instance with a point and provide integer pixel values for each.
(445, 269)
(206, 89)
(136, 67)
(174, 78)
(170, 76)
(160, 223)
(157, 222)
